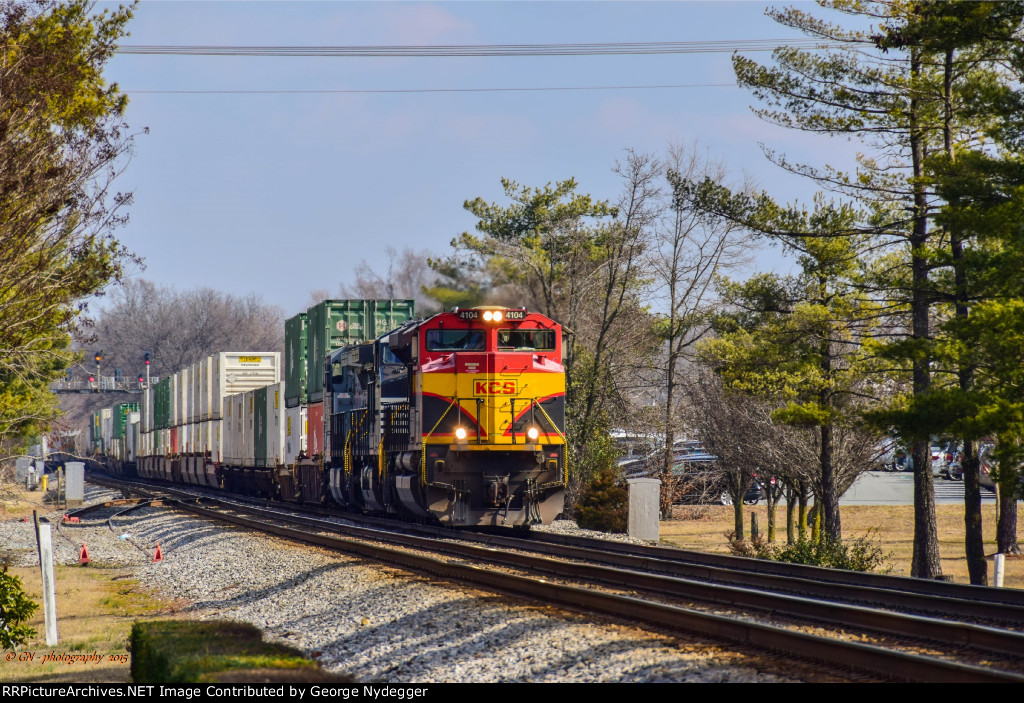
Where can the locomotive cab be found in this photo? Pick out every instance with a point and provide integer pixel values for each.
(491, 394)
(462, 419)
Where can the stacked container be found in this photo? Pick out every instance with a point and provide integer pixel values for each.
(295, 361)
(331, 325)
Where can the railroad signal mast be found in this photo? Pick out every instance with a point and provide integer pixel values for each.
(146, 358)
(99, 358)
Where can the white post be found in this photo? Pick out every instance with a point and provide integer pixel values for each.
(1000, 563)
(49, 586)
(644, 508)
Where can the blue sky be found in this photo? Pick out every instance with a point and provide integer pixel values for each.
(285, 193)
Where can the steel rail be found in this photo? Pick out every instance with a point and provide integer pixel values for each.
(833, 652)
(794, 579)
(979, 637)
(905, 584)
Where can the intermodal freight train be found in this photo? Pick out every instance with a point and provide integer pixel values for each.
(457, 419)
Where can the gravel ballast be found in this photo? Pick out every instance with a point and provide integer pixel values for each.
(371, 621)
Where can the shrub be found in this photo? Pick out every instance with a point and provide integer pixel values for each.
(857, 554)
(15, 607)
(186, 651)
(603, 503)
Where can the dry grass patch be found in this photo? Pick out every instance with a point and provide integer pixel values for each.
(95, 611)
(889, 526)
(16, 503)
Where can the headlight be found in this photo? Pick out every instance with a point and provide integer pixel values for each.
(532, 433)
(460, 433)
(497, 316)
(488, 315)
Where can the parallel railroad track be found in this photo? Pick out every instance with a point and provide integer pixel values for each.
(646, 586)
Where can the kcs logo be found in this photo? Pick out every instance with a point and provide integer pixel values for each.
(495, 387)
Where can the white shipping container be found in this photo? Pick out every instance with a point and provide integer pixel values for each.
(145, 453)
(132, 437)
(248, 432)
(234, 429)
(182, 390)
(193, 394)
(295, 433)
(205, 391)
(106, 429)
(235, 372)
(173, 415)
(145, 410)
(276, 422)
(227, 446)
(216, 429)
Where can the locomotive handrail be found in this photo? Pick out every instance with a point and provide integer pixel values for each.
(547, 417)
(423, 443)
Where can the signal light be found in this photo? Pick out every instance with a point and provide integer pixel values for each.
(142, 379)
(92, 379)
(145, 358)
(99, 357)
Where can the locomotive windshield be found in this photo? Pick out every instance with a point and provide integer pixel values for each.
(455, 340)
(527, 340)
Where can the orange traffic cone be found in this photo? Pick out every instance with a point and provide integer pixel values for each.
(83, 558)
(158, 555)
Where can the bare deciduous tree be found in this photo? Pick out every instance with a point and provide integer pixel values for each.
(178, 328)
(407, 275)
(181, 327)
(691, 250)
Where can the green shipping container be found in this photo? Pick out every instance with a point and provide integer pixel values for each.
(121, 411)
(295, 392)
(96, 426)
(259, 426)
(162, 404)
(333, 324)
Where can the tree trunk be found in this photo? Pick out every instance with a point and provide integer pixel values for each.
(1006, 529)
(802, 500)
(773, 494)
(925, 561)
(737, 514)
(974, 544)
(829, 500)
(790, 514)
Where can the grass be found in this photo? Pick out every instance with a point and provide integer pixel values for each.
(185, 651)
(95, 611)
(704, 528)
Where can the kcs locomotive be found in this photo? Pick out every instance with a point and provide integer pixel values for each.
(457, 419)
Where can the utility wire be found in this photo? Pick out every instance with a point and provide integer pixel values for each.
(429, 90)
(595, 49)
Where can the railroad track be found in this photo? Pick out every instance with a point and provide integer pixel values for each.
(658, 587)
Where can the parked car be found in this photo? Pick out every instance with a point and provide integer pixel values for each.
(696, 475)
(699, 479)
(951, 467)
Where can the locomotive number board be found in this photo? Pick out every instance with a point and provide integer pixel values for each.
(479, 314)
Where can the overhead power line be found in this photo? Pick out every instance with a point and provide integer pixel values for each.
(430, 90)
(596, 49)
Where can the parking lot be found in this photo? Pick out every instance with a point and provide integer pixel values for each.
(885, 488)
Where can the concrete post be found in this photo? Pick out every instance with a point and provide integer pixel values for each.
(644, 508)
(49, 584)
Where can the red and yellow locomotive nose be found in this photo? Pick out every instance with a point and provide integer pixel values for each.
(492, 377)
